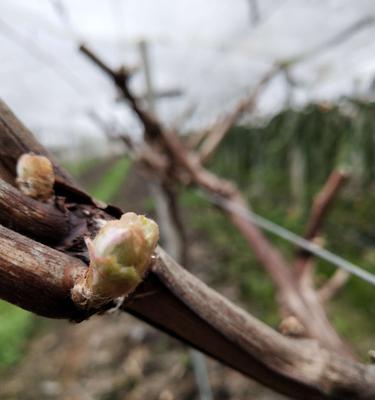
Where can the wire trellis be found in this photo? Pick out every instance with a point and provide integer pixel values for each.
(289, 236)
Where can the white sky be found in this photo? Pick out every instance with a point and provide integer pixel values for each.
(209, 49)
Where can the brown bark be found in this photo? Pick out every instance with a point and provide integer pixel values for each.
(39, 278)
(120, 79)
(288, 360)
(300, 301)
(36, 277)
(15, 140)
(321, 205)
(333, 285)
(304, 264)
(42, 221)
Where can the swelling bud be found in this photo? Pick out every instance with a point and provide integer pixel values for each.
(120, 256)
(35, 176)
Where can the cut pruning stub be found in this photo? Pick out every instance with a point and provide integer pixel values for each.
(120, 256)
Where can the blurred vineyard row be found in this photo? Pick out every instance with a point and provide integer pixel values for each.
(308, 144)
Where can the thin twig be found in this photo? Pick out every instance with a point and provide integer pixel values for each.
(185, 168)
(333, 285)
(321, 205)
(215, 135)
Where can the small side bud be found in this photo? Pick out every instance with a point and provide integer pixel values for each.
(371, 355)
(290, 326)
(120, 256)
(35, 176)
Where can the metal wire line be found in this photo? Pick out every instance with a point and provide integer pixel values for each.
(290, 237)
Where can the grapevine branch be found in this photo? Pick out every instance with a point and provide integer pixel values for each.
(39, 278)
(184, 168)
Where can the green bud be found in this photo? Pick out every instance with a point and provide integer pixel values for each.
(120, 256)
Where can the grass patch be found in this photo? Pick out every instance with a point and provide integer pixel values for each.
(16, 326)
(79, 168)
(108, 186)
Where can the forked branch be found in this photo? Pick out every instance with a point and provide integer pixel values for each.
(303, 266)
(185, 168)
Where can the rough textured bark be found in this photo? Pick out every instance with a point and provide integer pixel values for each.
(323, 373)
(39, 278)
(35, 219)
(36, 277)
